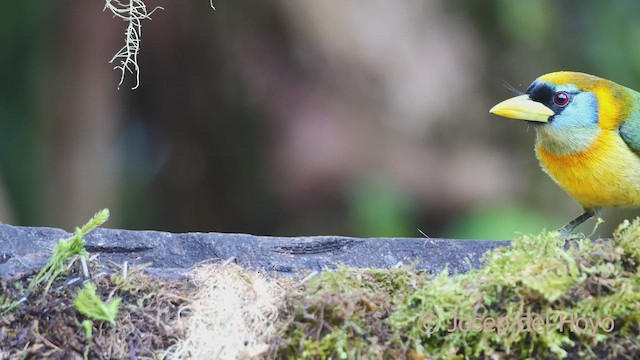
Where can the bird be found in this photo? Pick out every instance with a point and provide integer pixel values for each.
(587, 138)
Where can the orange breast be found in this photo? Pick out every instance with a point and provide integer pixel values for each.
(607, 174)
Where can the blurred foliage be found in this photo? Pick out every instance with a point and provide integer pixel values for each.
(500, 221)
(22, 27)
(381, 210)
(256, 117)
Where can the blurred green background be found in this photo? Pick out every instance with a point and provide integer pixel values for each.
(295, 117)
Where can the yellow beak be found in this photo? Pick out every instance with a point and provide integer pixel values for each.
(523, 108)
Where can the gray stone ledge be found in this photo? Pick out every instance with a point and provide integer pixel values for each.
(27, 248)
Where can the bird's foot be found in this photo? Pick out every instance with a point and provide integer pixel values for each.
(567, 235)
(570, 238)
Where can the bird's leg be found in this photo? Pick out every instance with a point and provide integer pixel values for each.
(573, 224)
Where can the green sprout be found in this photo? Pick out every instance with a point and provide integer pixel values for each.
(65, 249)
(87, 325)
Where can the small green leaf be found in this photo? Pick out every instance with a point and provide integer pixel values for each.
(89, 304)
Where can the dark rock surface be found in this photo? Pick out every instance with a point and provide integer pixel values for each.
(27, 248)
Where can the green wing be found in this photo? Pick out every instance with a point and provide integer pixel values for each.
(630, 128)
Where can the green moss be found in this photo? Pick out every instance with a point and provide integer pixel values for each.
(543, 297)
(628, 236)
(342, 314)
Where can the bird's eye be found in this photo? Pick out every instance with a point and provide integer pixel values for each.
(561, 99)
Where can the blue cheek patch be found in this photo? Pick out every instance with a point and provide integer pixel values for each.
(582, 111)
